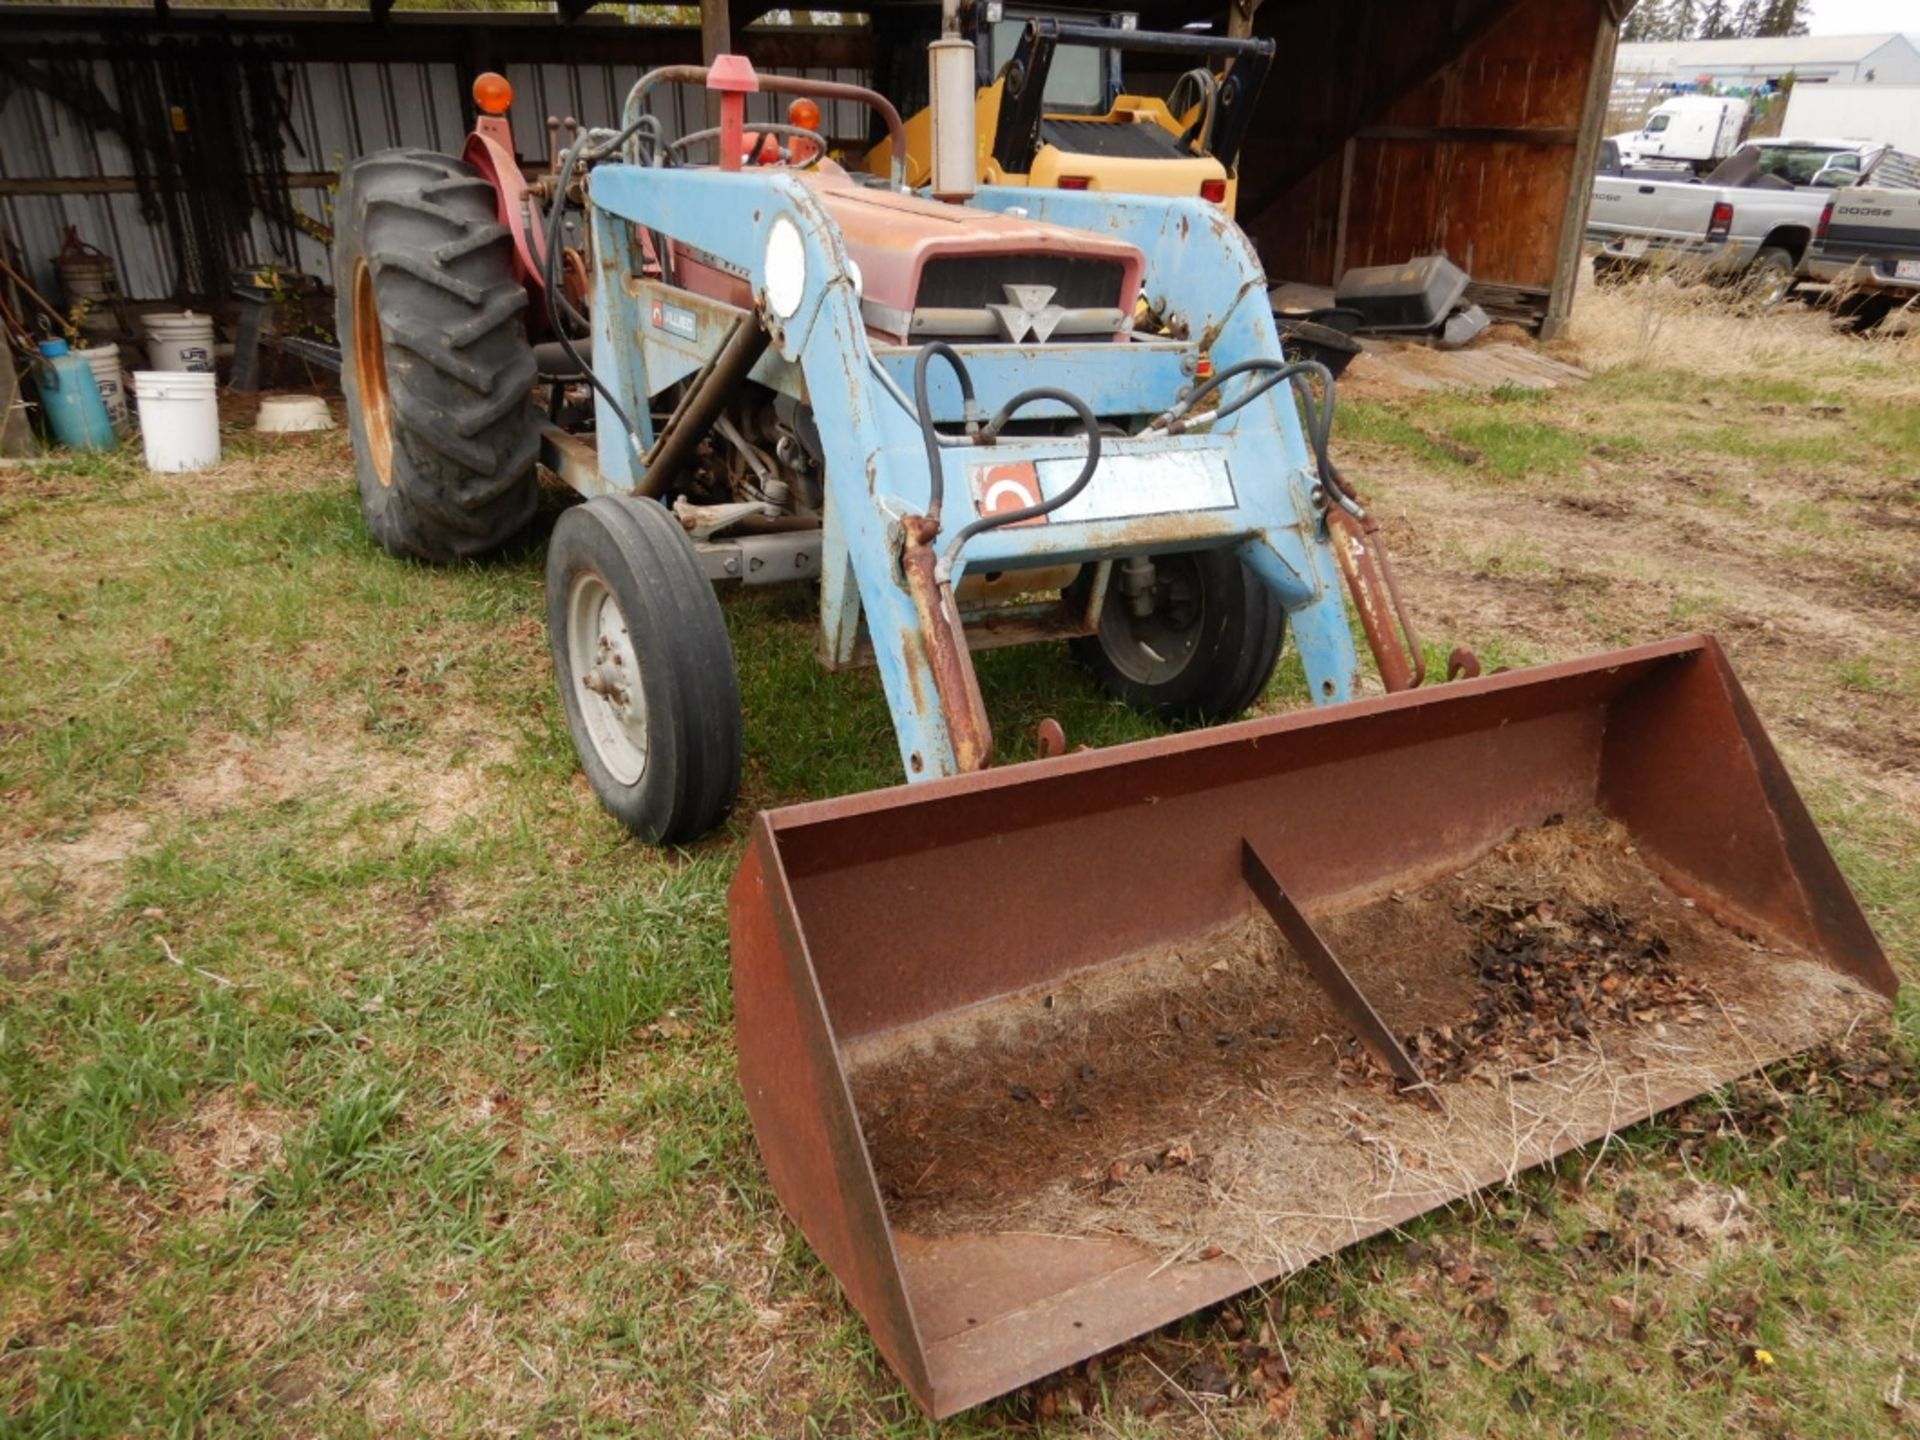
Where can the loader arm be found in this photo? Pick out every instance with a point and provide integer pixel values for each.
(1249, 484)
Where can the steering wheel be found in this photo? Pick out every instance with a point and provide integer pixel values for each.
(758, 134)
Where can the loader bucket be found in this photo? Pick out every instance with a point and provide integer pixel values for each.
(1044, 1057)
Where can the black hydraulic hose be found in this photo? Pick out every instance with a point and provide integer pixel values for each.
(567, 166)
(1088, 423)
(936, 493)
(1319, 413)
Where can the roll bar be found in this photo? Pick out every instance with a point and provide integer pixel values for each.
(781, 85)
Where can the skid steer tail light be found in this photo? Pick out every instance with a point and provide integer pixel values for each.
(1721, 224)
(1214, 190)
(1075, 182)
(1826, 223)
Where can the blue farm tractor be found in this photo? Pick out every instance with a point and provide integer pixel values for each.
(1042, 1056)
(1040, 415)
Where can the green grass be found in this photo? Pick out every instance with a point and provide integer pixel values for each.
(359, 1077)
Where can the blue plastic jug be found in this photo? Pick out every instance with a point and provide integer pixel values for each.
(71, 398)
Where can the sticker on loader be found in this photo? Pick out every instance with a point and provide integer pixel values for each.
(675, 321)
(998, 489)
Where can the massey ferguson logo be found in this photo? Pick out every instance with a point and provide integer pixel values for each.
(1028, 311)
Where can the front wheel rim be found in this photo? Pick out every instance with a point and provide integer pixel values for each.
(604, 670)
(1158, 649)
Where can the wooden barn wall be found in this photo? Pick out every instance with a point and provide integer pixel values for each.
(1374, 145)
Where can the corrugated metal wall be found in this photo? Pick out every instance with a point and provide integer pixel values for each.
(335, 112)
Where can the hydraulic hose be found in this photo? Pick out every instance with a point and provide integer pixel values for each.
(1319, 413)
(1088, 423)
(936, 493)
(557, 303)
(987, 435)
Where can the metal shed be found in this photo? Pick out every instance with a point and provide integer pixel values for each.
(190, 144)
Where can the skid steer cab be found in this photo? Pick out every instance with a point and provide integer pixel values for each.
(947, 417)
(1054, 109)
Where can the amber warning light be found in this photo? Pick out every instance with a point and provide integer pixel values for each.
(492, 93)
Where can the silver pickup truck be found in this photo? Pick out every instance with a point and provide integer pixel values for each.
(1753, 219)
(1868, 247)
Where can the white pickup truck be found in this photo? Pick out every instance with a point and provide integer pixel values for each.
(1753, 219)
(1868, 246)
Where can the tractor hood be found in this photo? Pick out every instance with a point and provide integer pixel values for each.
(935, 271)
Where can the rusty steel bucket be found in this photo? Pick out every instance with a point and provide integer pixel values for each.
(1042, 1058)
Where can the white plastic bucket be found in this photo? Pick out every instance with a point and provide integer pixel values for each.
(181, 341)
(292, 414)
(179, 419)
(105, 360)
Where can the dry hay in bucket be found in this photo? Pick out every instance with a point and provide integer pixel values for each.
(1208, 1100)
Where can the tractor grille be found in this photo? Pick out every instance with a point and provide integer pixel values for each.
(968, 282)
(991, 298)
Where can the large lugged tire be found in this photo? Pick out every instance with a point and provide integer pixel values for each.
(1207, 649)
(645, 668)
(436, 365)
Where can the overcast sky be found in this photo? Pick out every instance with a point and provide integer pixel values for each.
(1862, 17)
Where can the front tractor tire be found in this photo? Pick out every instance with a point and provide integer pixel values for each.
(436, 365)
(1205, 646)
(645, 668)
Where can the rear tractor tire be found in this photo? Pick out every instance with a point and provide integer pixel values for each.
(645, 668)
(436, 366)
(1206, 647)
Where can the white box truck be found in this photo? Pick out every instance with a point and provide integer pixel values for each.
(1688, 132)
(1890, 113)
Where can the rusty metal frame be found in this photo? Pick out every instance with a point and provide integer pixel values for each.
(1328, 972)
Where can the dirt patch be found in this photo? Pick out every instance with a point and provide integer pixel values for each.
(218, 1154)
(1708, 545)
(231, 771)
(1210, 1100)
(50, 882)
(1714, 1216)
(56, 889)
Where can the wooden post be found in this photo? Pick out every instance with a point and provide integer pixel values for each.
(716, 38)
(1573, 220)
(1340, 218)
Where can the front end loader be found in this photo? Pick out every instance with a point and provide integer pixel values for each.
(1042, 1056)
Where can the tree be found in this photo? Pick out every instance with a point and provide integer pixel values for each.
(1714, 19)
(1642, 22)
(1782, 17)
